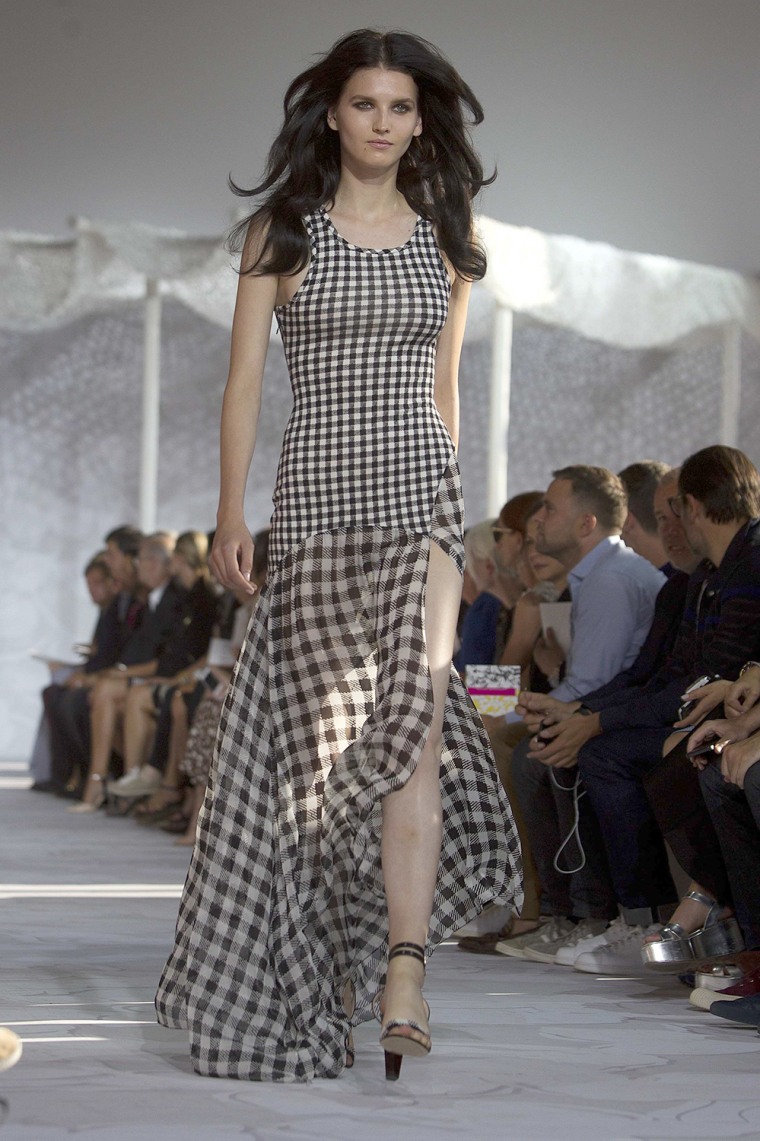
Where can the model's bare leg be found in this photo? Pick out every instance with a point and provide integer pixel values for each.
(412, 826)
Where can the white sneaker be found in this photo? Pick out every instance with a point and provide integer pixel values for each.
(567, 954)
(622, 955)
(589, 933)
(140, 782)
(121, 786)
(544, 950)
(549, 932)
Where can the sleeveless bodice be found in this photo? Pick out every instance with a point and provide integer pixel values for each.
(365, 445)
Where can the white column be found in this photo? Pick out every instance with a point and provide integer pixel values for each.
(731, 390)
(498, 428)
(150, 407)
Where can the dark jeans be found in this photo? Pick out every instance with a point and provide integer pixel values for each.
(673, 790)
(736, 816)
(549, 814)
(612, 767)
(68, 716)
(159, 754)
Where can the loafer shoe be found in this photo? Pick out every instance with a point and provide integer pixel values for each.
(704, 995)
(745, 1010)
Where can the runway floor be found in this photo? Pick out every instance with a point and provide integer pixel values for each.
(520, 1051)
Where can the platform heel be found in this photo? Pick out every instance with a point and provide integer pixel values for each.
(676, 948)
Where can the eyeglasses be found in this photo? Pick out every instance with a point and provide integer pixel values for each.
(676, 505)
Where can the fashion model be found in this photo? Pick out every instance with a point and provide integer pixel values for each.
(353, 817)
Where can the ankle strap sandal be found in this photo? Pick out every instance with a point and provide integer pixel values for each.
(417, 1043)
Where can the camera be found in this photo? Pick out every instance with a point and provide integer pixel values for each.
(208, 677)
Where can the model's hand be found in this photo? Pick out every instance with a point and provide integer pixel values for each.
(231, 558)
(707, 697)
(738, 757)
(744, 693)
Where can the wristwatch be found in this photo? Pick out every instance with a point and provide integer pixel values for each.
(749, 666)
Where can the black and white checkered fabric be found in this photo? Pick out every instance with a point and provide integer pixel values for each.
(331, 702)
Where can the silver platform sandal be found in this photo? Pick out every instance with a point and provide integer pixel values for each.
(676, 948)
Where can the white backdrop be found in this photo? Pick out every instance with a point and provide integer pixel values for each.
(615, 357)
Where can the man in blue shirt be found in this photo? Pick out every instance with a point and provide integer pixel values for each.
(613, 593)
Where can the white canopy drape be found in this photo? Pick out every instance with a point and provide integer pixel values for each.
(120, 331)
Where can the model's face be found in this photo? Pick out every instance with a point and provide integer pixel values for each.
(670, 529)
(376, 117)
(557, 522)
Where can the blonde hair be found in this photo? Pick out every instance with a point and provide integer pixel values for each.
(479, 541)
(192, 546)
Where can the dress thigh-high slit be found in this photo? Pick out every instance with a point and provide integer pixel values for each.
(332, 702)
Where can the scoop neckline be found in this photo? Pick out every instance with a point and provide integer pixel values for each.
(369, 249)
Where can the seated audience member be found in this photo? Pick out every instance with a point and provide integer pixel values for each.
(568, 732)
(613, 592)
(549, 584)
(640, 531)
(196, 763)
(719, 503)
(730, 783)
(67, 707)
(512, 571)
(152, 719)
(478, 638)
(102, 590)
(139, 659)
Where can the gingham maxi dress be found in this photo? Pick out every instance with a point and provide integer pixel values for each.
(331, 699)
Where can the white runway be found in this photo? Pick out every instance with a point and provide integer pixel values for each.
(520, 1050)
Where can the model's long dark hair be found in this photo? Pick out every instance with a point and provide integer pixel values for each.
(439, 175)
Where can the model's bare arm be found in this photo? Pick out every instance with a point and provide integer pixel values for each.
(448, 352)
(232, 554)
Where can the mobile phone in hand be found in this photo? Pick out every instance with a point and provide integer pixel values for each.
(711, 749)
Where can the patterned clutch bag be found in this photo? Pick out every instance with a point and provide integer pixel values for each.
(493, 689)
